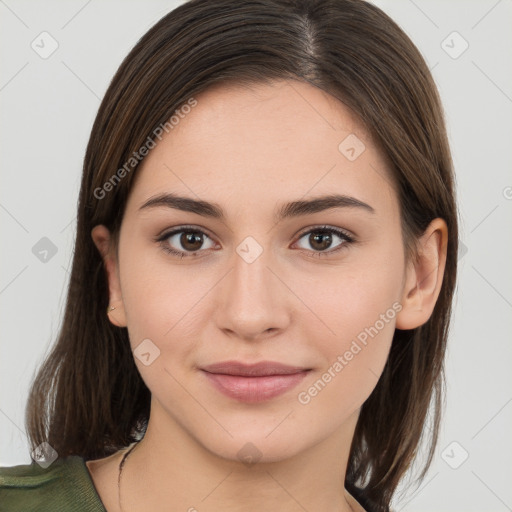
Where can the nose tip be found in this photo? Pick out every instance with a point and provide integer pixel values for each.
(253, 301)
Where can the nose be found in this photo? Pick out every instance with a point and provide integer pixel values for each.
(254, 300)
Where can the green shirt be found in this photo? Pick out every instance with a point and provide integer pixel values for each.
(64, 486)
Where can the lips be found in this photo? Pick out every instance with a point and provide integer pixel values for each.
(253, 382)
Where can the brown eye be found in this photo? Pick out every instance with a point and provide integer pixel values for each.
(321, 238)
(184, 242)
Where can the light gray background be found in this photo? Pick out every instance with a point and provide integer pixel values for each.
(48, 107)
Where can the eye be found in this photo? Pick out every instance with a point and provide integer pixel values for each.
(188, 239)
(321, 238)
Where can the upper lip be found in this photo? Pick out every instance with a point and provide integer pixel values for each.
(262, 368)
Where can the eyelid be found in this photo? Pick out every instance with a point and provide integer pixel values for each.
(185, 227)
(327, 227)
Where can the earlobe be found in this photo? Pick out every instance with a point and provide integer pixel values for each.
(424, 277)
(103, 241)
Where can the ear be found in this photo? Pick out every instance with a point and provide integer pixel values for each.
(424, 277)
(103, 241)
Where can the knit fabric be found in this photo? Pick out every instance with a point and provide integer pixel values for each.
(64, 486)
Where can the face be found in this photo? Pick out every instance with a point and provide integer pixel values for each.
(317, 289)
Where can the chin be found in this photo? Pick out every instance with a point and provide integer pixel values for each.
(257, 446)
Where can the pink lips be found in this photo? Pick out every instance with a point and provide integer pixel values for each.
(253, 382)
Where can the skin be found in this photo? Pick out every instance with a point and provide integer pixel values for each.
(249, 150)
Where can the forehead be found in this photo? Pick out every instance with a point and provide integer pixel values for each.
(263, 144)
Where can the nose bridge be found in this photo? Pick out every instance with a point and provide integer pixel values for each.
(251, 276)
(253, 300)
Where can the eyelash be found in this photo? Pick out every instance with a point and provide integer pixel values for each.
(315, 254)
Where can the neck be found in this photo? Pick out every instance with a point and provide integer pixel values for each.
(170, 470)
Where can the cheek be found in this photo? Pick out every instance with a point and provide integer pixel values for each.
(162, 319)
(163, 305)
(357, 307)
(353, 359)
(353, 295)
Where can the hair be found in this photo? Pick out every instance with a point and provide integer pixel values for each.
(87, 397)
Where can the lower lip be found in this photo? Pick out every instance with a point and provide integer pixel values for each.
(254, 389)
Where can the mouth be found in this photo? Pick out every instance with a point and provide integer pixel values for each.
(252, 383)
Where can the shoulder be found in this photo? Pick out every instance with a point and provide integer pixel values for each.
(65, 485)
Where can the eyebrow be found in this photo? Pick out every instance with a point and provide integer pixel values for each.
(286, 211)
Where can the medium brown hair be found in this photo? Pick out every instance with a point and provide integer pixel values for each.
(88, 398)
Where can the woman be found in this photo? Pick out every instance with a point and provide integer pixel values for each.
(263, 272)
